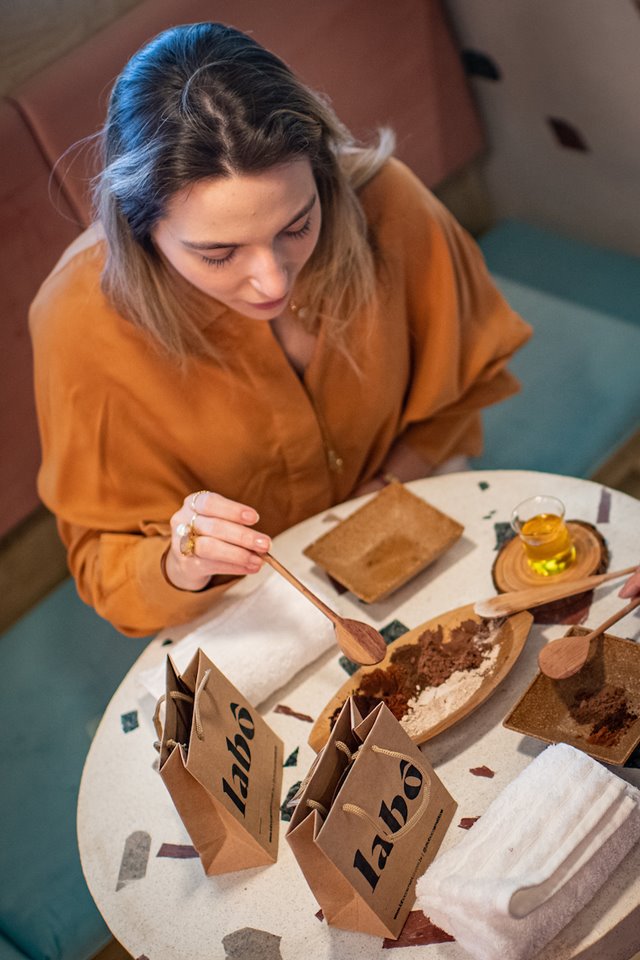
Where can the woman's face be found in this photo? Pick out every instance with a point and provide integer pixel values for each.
(244, 239)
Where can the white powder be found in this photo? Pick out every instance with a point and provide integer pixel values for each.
(433, 704)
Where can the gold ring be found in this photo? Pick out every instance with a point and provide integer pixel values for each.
(188, 536)
(188, 544)
(194, 497)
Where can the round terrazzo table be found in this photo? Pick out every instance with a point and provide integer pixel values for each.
(136, 854)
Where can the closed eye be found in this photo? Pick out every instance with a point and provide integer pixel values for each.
(301, 232)
(219, 261)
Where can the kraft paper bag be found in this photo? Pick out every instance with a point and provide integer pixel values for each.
(222, 765)
(368, 820)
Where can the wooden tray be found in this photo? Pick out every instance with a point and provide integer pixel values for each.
(543, 709)
(511, 638)
(512, 572)
(384, 543)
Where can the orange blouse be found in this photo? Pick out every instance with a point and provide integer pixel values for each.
(126, 435)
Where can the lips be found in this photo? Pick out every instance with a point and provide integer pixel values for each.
(270, 304)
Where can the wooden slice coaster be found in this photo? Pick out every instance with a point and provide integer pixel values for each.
(512, 572)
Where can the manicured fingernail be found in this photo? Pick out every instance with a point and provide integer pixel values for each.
(262, 542)
(250, 516)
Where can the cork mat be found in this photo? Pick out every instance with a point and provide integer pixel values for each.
(547, 709)
(385, 543)
(512, 572)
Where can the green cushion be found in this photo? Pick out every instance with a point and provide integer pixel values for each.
(594, 277)
(579, 374)
(60, 665)
(9, 952)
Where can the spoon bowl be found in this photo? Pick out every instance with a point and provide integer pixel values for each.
(358, 641)
(563, 657)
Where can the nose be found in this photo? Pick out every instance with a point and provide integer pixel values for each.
(269, 276)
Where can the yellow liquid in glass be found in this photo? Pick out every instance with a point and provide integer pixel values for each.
(547, 544)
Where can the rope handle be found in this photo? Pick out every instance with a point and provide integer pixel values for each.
(411, 822)
(315, 804)
(187, 698)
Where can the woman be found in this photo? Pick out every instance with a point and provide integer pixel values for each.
(268, 320)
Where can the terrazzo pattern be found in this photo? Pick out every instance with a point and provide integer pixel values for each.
(135, 856)
(250, 944)
(418, 931)
(125, 810)
(177, 851)
(604, 507)
(129, 721)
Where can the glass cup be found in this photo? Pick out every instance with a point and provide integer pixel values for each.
(539, 522)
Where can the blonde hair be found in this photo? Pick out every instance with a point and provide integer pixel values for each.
(205, 100)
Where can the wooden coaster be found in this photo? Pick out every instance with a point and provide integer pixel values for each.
(512, 572)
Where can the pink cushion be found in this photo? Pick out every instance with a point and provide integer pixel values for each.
(33, 235)
(381, 63)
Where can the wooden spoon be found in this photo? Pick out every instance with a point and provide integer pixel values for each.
(563, 657)
(358, 641)
(507, 603)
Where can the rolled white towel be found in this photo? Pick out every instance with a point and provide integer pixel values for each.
(259, 640)
(541, 851)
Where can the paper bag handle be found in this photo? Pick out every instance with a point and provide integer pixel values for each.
(178, 695)
(411, 822)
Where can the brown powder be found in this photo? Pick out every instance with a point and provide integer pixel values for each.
(607, 710)
(391, 685)
(428, 663)
(432, 660)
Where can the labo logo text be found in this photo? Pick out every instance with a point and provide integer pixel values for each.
(241, 752)
(394, 817)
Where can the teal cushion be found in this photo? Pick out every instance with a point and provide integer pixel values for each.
(602, 280)
(60, 665)
(579, 374)
(9, 952)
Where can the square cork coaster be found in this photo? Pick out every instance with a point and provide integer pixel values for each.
(385, 543)
(546, 710)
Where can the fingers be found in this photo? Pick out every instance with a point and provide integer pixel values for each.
(226, 531)
(632, 586)
(208, 504)
(213, 539)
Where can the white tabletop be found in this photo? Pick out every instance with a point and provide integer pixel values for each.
(161, 906)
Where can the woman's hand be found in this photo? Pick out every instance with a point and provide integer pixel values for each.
(210, 537)
(631, 588)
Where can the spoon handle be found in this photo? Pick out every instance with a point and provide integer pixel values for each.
(507, 603)
(612, 619)
(328, 612)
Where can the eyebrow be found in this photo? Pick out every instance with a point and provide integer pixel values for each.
(206, 245)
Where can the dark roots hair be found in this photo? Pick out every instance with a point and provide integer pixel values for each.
(202, 101)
